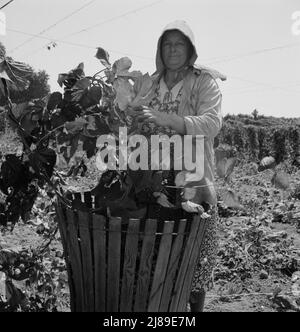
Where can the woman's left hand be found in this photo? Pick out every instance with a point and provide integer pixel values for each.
(159, 118)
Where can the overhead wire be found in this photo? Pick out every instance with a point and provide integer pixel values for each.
(76, 44)
(6, 4)
(114, 18)
(267, 85)
(53, 25)
(256, 52)
(136, 10)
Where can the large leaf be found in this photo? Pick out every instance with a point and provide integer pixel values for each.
(189, 193)
(200, 191)
(225, 167)
(224, 151)
(54, 100)
(122, 66)
(3, 72)
(76, 126)
(180, 179)
(16, 72)
(93, 96)
(20, 110)
(145, 91)
(231, 200)
(61, 79)
(281, 180)
(96, 126)
(70, 79)
(121, 69)
(82, 84)
(267, 163)
(15, 297)
(43, 161)
(125, 93)
(103, 56)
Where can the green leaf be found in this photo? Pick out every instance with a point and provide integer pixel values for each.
(20, 110)
(189, 193)
(121, 69)
(82, 84)
(267, 163)
(124, 93)
(281, 180)
(15, 296)
(103, 56)
(89, 146)
(3, 73)
(94, 95)
(122, 65)
(54, 100)
(71, 77)
(76, 126)
(144, 89)
(180, 179)
(61, 79)
(15, 72)
(231, 200)
(225, 167)
(96, 126)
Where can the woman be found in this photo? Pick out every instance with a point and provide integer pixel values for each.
(188, 102)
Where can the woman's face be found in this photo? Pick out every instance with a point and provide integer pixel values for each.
(175, 50)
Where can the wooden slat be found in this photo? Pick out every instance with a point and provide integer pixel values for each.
(99, 239)
(113, 267)
(161, 267)
(130, 254)
(87, 259)
(143, 281)
(75, 259)
(184, 264)
(78, 196)
(61, 220)
(176, 252)
(186, 287)
(88, 199)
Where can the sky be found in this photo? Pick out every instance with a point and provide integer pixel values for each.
(250, 41)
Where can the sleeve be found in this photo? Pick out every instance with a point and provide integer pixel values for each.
(208, 118)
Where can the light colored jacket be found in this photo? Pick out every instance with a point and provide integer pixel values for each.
(201, 100)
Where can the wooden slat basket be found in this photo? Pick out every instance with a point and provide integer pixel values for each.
(118, 265)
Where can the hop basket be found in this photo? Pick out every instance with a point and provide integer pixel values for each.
(128, 265)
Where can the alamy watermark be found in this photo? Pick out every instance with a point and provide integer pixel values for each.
(139, 153)
(2, 23)
(296, 25)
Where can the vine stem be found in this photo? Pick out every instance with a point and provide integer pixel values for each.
(49, 135)
(43, 247)
(99, 72)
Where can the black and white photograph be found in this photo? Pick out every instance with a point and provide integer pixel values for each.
(149, 159)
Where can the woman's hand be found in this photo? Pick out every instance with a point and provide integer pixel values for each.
(149, 115)
(162, 119)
